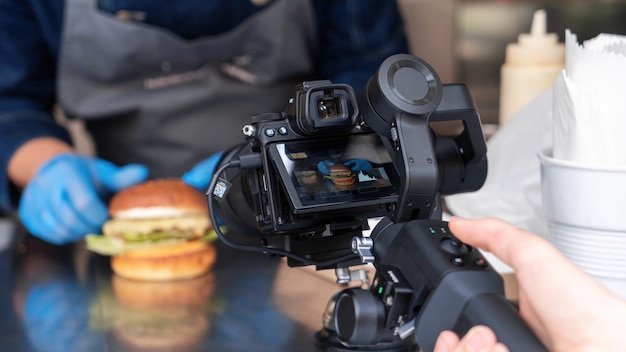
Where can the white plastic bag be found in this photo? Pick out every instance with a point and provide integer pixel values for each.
(512, 190)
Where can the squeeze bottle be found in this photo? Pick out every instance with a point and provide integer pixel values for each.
(530, 67)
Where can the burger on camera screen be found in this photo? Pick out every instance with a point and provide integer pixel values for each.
(339, 173)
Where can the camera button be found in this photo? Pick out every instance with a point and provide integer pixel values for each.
(481, 262)
(283, 130)
(270, 132)
(453, 246)
(458, 261)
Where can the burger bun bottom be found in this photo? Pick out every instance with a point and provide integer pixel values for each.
(166, 263)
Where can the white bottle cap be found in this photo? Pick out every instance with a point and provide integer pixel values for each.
(536, 47)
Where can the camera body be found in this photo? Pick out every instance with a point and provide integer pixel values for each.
(330, 161)
(296, 200)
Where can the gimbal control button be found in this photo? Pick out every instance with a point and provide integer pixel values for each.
(454, 246)
(458, 261)
(481, 262)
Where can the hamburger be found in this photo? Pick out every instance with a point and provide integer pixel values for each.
(159, 230)
(341, 175)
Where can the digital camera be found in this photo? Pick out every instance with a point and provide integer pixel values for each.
(308, 178)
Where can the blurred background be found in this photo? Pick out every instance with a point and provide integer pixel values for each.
(465, 40)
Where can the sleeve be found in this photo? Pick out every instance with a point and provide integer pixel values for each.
(29, 37)
(356, 36)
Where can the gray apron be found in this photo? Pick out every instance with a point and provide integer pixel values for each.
(151, 97)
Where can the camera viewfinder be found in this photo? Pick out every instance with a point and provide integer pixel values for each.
(329, 107)
(322, 108)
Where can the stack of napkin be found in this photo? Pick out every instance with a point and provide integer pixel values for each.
(582, 118)
(589, 108)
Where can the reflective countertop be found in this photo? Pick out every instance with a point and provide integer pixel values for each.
(67, 299)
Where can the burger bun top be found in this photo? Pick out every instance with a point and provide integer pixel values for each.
(157, 198)
(340, 170)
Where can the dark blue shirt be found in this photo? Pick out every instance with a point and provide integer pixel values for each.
(355, 37)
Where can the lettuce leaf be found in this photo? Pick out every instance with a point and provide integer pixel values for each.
(114, 246)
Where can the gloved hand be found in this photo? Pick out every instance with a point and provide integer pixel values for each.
(324, 166)
(353, 164)
(358, 165)
(64, 201)
(200, 175)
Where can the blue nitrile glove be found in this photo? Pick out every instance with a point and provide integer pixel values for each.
(324, 166)
(358, 165)
(200, 175)
(64, 201)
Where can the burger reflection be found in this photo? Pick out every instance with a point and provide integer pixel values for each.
(162, 316)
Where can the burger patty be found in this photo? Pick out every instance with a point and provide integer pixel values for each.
(189, 227)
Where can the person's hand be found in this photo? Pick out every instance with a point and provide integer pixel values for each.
(324, 166)
(478, 339)
(200, 175)
(566, 308)
(358, 165)
(353, 164)
(64, 200)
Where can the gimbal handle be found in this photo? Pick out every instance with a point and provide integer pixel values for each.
(452, 286)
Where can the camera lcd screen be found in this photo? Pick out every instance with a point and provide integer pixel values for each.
(321, 175)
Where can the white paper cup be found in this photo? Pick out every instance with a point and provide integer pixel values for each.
(585, 206)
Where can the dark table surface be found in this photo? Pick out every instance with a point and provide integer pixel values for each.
(66, 299)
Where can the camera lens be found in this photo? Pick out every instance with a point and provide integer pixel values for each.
(329, 108)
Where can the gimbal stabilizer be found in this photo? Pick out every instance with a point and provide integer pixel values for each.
(275, 197)
(426, 280)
